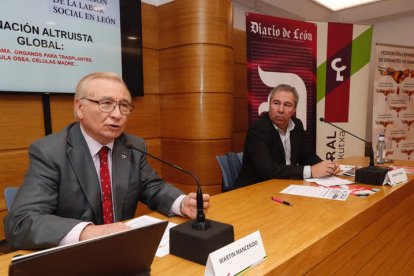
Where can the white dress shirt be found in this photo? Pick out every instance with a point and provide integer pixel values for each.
(285, 137)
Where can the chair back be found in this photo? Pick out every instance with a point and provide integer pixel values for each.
(9, 194)
(230, 165)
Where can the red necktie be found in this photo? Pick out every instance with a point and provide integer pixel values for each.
(106, 186)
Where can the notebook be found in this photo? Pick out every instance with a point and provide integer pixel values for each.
(126, 253)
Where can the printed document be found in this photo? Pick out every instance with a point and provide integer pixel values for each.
(319, 192)
(328, 181)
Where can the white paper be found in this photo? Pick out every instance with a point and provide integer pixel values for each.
(347, 170)
(164, 246)
(396, 177)
(236, 257)
(319, 192)
(328, 181)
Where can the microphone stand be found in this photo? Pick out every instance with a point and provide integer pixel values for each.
(371, 152)
(371, 174)
(200, 223)
(195, 240)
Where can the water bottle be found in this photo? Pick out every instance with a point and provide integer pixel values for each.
(381, 148)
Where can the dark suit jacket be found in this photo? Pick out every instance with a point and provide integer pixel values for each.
(61, 188)
(264, 155)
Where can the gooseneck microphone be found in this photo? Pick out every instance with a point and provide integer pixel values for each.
(371, 152)
(196, 239)
(200, 223)
(371, 174)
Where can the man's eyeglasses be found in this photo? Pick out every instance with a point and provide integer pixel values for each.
(108, 105)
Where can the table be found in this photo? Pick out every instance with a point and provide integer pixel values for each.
(362, 235)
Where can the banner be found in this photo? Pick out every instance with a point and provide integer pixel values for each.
(393, 111)
(281, 51)
(343, 58)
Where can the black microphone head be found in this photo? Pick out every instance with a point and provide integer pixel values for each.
(321, 119)
(200, 209)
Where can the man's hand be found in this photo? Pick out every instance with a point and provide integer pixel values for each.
(325, 168)
(93, 231)
(189, 204)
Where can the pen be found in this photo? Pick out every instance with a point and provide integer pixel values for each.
(281, 201)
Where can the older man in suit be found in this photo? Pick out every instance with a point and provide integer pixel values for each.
(85, 179)
(276, 147)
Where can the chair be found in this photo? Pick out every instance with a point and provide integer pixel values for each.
(9, 194)
(230, 165)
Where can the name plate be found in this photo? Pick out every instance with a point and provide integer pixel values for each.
(396, 177)
(237, 256)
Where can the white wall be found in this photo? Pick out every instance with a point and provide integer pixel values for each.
(395, 31)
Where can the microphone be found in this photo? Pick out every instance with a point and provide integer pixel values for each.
(195, 240)
(370, 175)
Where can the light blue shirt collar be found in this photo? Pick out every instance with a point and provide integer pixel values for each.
(93, 145)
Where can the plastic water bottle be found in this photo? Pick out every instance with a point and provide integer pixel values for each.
(381, 148)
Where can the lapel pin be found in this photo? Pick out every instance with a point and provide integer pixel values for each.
(123, 156)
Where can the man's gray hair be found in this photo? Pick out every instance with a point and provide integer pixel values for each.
(81, 88)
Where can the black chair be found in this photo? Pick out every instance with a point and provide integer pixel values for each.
(230, 165)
